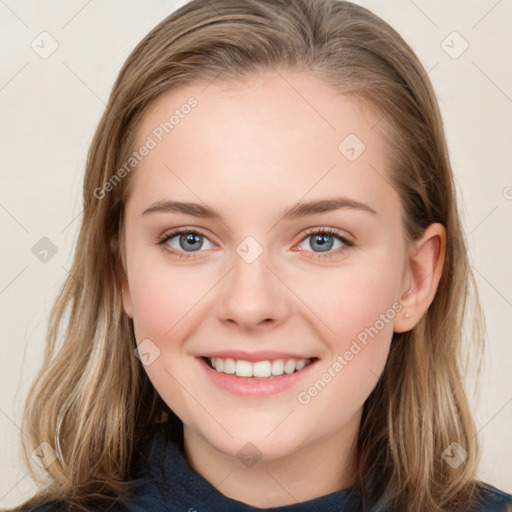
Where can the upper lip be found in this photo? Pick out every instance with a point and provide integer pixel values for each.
(262, 355)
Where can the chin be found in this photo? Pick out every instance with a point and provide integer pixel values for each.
(256, 444)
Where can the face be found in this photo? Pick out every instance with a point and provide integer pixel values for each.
(293, 250)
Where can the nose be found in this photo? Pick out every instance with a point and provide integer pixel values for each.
(252, 296)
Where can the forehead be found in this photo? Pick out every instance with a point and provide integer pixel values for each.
(283, 134)
(299, 103)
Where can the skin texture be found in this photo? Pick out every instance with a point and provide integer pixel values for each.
(251, 150)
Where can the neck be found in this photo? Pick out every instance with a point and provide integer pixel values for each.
(289, 479)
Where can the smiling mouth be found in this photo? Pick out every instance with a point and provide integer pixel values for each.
(258, 370)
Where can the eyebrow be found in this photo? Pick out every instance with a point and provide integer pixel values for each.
(296, 211)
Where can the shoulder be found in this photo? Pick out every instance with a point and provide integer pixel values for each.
(492, 500)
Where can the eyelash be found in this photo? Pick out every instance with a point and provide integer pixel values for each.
(311, 231)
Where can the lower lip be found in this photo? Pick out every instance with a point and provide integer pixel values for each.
(251, 386)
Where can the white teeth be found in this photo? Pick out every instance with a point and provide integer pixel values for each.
(229, 366)
(278, 367)
(300, 364)
(260, 369)
(289, 366)
(243, 368)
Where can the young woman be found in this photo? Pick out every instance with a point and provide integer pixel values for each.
(266, 305)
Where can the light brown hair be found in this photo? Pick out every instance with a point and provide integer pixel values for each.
(93, 402)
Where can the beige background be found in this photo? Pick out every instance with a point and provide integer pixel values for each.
(49, 110)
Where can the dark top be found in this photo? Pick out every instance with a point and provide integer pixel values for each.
(167, 483)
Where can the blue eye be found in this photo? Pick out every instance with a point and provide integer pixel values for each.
(187, 240)
(324, 240)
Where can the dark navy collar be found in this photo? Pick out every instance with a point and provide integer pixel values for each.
(169, 483)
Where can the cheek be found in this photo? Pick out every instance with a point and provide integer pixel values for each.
(160, 298)
(361, 316)
(358, 305)
(352, 299)
(152, 307)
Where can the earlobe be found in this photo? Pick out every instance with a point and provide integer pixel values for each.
(425, 267)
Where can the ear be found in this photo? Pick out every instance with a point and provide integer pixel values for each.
(422, 276)
(122, 281)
